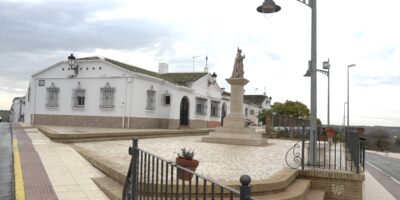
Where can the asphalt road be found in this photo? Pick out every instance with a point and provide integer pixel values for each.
(386, 170)
(6, 163)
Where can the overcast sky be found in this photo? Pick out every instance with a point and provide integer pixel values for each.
(35, 34)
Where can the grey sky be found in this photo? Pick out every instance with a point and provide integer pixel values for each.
(35, 34)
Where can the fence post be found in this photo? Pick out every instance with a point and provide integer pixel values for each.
(134, 151)
(302, 146)
(245, 188)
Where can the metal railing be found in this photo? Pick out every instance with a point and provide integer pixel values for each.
(345, 150)
(152, 177)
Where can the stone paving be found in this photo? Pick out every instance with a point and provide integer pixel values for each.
(69, 173)
(220, 161)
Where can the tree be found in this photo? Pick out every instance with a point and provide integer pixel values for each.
(379, 139)
(291, 108)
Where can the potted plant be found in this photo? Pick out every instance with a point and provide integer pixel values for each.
(330, 132)
(185, 159)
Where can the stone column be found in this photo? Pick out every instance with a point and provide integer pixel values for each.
(235, 118)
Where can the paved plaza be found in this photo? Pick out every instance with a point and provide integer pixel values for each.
(219, 161)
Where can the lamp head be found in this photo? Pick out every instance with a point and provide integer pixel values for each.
(214, 77)
(268, 6)
(326, 65)
(308, 73)
(71, 60)
(352, 65)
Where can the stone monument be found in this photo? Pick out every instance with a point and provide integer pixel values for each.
(234, 131)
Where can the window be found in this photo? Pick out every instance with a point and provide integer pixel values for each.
(214, 109)
(52, 96)
(246, 111)
(151, 100)
(166, 98)
(107, 96)
(79, 98)
(251, 112)
(201, 106)
(29, 94)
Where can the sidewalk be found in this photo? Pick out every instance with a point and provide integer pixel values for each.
(64, 173)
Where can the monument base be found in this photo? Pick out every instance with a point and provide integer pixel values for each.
(236, 136)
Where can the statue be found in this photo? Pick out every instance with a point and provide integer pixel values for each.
(238, 66)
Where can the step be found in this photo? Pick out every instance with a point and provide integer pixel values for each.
(115, 171)
(315, 195)
(110, 187)
(277, 182)
(296, 191)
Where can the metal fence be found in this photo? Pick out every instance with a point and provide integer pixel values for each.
(345, 150)
(152, 177)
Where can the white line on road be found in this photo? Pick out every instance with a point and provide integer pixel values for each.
(386, 174)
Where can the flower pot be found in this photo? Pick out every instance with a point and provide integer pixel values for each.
(188, 164)
(330, 132)
(360, 132)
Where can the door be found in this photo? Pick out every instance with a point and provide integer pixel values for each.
(184, 114)
(223, 113)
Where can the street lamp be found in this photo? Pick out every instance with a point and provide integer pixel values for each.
(327, 66)
(71, 63)
(269, 6)
(348, 102)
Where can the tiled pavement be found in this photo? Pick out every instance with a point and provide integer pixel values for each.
(36, 182)
(53, 170)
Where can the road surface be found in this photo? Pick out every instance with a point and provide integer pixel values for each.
(386, 170)
(6, 163)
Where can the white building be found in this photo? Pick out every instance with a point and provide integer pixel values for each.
(17, 111)
(100, 92)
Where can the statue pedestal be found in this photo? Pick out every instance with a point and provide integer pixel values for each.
(234, 130)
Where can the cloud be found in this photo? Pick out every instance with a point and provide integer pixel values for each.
(61, 25)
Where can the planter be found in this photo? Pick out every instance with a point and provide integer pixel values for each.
(330, 132)
(188, 164)
(360, 132)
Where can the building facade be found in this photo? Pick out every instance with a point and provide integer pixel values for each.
(101, 92)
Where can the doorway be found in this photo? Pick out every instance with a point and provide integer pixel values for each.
(184, 112)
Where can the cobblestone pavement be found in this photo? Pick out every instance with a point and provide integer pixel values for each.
(220, 161)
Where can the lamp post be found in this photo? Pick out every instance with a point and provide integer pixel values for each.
(344, 113)
(326, 66)
(269, 6)
(348, 92)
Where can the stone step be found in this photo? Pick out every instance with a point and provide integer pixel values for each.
(110, 187)
(315, 195)
(277, 182)
(296, 191)
(113, 170)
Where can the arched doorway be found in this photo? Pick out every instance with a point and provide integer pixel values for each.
(184, 113)
(223, 113)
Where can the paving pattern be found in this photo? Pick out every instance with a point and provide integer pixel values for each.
(36, 182)
(219, 161)
(69, 173)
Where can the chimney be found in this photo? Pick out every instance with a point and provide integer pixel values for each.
(162, 68)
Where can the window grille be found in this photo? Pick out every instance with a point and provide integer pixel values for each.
(201, 106)
(52, 96)
(151, 100)
(107, 96)
(215, 109)
(79, 98)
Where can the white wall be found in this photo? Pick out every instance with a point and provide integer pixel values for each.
(130, 92)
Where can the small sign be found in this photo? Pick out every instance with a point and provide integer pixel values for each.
(41, 83)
